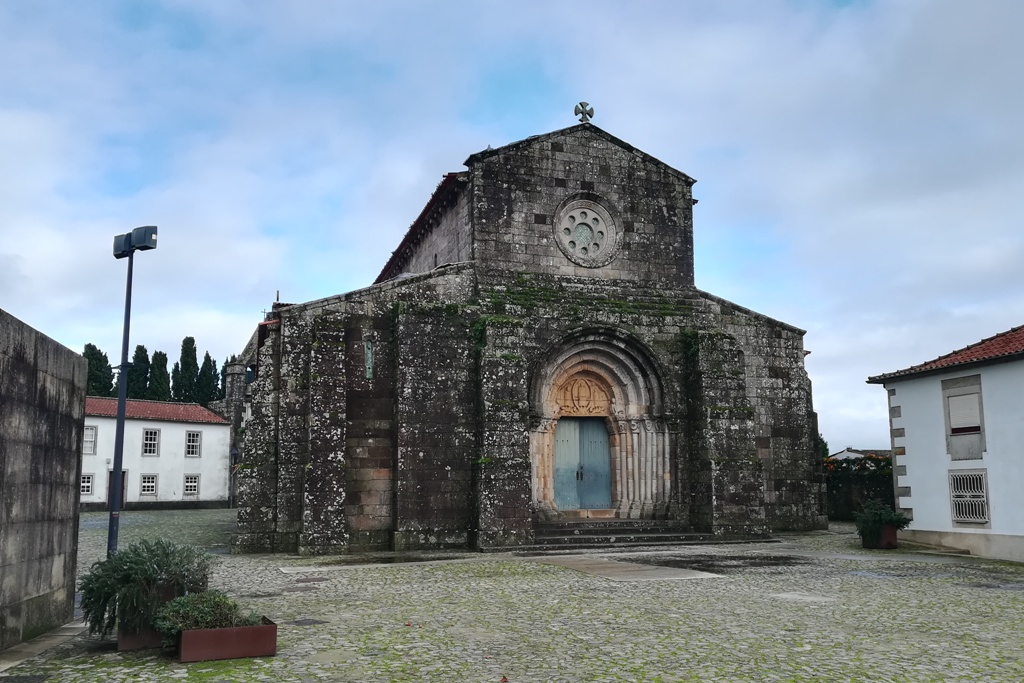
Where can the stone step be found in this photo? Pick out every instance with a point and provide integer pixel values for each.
(620, 538)
(605, 529)
(609, 522)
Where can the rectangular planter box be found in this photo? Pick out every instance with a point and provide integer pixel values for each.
(142, 639)
(886, 539)
(228, 643)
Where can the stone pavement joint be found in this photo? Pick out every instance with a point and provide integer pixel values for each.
(840, 613)
(618, 570)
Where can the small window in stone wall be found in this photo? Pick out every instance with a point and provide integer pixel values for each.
(86, 485)
(191, 485)
(89, 441)
(968, 494)
(147, 486)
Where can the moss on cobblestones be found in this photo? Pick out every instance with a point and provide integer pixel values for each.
(840, 614)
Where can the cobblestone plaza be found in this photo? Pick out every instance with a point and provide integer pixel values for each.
(810, 607)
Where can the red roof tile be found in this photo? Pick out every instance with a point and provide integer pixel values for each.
(153, 410)
(1002, 346)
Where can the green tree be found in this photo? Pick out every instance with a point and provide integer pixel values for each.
(224, 378)
(138, 374)
(822, 447)
(100, 380)
(176, 382)
(159, 380)
(184, 387)
(206, 382)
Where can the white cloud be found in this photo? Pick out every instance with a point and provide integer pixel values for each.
(858, 164)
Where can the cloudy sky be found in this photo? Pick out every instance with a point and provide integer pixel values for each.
(860, 164)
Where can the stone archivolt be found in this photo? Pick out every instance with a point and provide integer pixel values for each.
(603, 374)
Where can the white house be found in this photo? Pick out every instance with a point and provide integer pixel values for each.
(851, 453)
(175, 454)
(957, 426)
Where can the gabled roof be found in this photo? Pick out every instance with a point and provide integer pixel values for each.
(600, 132)
(450, 185)
(152, 410)
(1002, 347)
(857, 452)
(453, 183)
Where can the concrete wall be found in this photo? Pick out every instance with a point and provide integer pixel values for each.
(922, 463)
(170, 466)
(42, 402)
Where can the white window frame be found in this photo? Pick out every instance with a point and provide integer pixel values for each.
(184, 490)
(86, 485)
(156, 443)
(198, 445)
(89, 444)
(968, 496)
(143, 482)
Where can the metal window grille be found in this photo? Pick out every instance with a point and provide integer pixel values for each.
(151, 442)
(191, 484)
(148, 487)
(193, 444)
(89, 441)
(86, 487)
(968, 494)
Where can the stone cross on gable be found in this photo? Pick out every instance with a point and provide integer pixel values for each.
(584, 111)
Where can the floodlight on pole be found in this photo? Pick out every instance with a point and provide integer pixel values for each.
(139, 239)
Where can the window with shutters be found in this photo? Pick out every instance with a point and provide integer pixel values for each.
(964, 416)
(968, 496)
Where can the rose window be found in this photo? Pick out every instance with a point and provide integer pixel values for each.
(586, 234)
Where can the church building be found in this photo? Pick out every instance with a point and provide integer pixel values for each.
(535, 350)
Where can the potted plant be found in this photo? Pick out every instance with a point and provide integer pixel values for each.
(877, 524)
(125, 590)
(210, 625)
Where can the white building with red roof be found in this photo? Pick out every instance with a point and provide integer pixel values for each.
(175, 454)
(957, 430)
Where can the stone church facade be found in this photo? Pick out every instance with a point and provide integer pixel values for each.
(534, 350)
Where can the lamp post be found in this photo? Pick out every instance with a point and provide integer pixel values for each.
(139, 239)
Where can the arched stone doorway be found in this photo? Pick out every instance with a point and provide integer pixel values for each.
(597, 404)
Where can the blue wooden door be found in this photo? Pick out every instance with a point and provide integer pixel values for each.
(582, 464)
(567, 464)
(595, 486)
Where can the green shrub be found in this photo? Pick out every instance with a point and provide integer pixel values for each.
(873, 516)
(209, 609)
(130, 586)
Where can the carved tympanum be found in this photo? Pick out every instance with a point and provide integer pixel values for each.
(582, 396)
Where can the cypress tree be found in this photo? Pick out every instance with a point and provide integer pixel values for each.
(159, 380)
(206, 382)
(223, 379)
(176, 382)
(138, 374)
(100, 380)
(188, 373)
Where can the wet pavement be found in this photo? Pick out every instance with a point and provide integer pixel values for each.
(812, 607)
